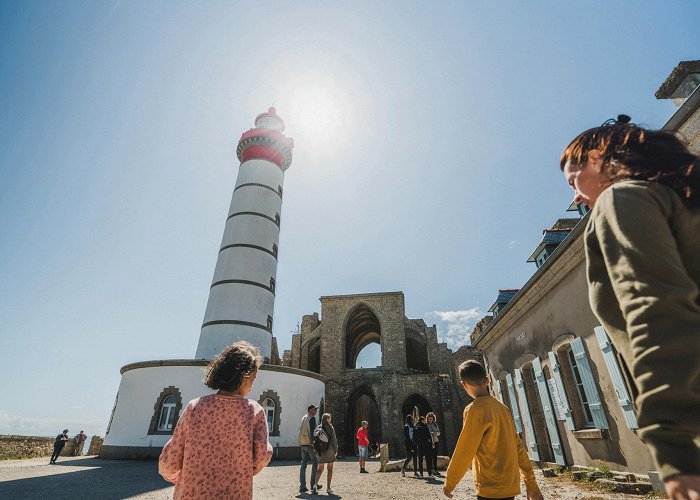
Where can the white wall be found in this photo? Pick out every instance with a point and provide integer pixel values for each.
(139, 390)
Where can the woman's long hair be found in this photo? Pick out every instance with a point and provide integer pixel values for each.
(326, 421)
(632, 152)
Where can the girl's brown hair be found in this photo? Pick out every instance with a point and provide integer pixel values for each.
(632, 152)
(230, 368)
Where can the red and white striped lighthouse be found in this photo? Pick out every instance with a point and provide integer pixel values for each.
(242, 295)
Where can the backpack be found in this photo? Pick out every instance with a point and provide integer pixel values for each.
(320, 440)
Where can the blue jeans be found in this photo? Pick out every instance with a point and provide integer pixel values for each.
(307, 455)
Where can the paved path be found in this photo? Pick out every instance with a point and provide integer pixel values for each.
(92, 478)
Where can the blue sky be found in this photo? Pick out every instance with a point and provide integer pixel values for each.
(426, 160)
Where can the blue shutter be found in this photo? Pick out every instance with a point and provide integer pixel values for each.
(527, 417)
(623, 396)
(497, 388)
(514, 403)
(548, 412)
(560, 388)
(589, 385)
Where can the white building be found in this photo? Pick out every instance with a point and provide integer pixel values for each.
(152, 394)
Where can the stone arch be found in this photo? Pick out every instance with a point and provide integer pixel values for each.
(274, 397)
(416, 351)
(412, 401)
(524, 360)
(362, 327)
(361, 405)
(165, 393)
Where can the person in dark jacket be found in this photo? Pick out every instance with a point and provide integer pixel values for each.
(58, 445)
(410, 447)
(421, 436)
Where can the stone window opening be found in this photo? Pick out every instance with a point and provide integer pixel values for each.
(361, 329)
(270, 401)
(416, 352)
(166, 411)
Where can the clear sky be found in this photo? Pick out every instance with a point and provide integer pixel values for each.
(427, 143)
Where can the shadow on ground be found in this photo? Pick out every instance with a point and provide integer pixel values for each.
(87, 478)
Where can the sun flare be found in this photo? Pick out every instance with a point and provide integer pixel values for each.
(316, 113)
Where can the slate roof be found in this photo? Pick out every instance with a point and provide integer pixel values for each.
(504, 296)
(551, 237)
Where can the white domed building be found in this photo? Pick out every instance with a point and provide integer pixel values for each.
(241, 303)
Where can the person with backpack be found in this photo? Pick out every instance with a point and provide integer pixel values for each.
(326, 449)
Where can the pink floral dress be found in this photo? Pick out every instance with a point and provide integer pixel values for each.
(219, 444)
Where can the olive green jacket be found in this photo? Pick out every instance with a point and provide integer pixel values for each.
(643, 267)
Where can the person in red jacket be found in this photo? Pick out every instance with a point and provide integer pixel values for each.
(362, 444)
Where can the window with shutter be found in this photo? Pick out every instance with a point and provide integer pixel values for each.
(560, 388)
(497, 387)
(527, 417)
(623, 397)
(595, 405)
(514, 403)
(548, 412)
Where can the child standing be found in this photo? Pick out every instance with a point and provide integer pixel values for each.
(488, 442)
(220, 441)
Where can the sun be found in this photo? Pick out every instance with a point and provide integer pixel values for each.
(316, 112)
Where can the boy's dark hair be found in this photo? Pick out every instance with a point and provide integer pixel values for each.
(472, 372)
(228, 370)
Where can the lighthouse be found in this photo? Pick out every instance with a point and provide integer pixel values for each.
(242, 294)
(152, 394)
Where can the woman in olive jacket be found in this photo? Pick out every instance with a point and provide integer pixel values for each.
(643, 268)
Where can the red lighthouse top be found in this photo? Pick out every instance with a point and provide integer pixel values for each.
(266, 141)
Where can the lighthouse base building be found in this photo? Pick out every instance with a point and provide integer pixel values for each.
(152, 394)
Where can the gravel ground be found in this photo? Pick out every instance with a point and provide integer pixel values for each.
(92, 478)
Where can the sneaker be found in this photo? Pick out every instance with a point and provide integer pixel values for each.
(403, 473)
(431, 476)
(363, 471)
(319, 486)
(303, 490)
(329, 491)
(437, 474)
(415, 474)
(314, 491)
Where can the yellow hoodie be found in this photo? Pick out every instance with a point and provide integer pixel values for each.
(488, 439)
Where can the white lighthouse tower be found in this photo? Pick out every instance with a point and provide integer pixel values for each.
(242, 295)
(152, 394)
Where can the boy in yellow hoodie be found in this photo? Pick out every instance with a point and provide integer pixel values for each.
(488, 439)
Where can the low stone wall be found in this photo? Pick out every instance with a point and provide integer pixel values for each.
(13, 447)
(95, 445)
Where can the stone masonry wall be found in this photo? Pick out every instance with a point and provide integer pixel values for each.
(13, 447)
(95, 445)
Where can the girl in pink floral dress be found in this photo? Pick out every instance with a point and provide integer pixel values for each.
(220, 441)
